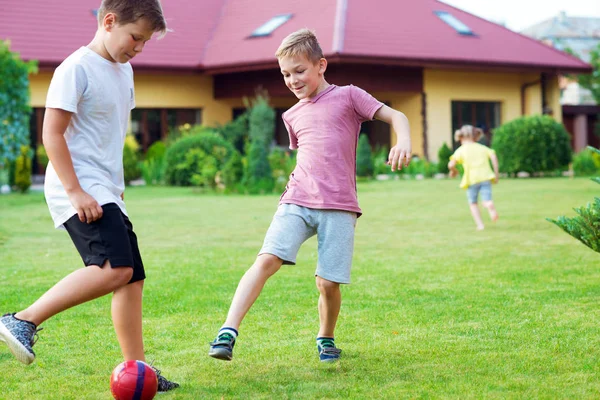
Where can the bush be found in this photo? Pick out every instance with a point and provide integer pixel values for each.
(131, 159)
(364, 159)
(444, 154)
(586, 163)
(532, 144)
(41, 156)
(152, 168)
(585, 227)
(236, 131)
(258, 175)
(380, 158)
(282, 164)
(204, 159)
(23, 169)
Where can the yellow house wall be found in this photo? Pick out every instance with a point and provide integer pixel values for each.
(154, 90)
(410, 105)
(444, 86)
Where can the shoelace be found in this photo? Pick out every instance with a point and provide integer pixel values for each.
(35, 337)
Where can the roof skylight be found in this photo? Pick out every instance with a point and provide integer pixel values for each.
(454, 23)
(268, 27)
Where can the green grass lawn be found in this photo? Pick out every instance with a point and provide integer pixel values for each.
(436, 309)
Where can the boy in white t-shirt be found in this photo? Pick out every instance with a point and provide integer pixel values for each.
(87, 114)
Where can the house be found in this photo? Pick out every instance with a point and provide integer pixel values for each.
(580, 35)
(441, 66)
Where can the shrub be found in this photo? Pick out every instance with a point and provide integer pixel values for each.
(532, 144)
(41, 156)
(585, 227)
(236, 131)
(586, 163)
(258, 176)
(364, 159)
(152, 168)
(23, 169)
(282, 164)
(192, 160)
(444, 154)
(14, 103)
(380, 157)
(131, 159)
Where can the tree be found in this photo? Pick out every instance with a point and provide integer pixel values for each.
(585, 227)
(14, 103)
(258, 177)
(364, 159)
(590, 81)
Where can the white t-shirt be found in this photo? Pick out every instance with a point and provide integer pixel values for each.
(100, 95)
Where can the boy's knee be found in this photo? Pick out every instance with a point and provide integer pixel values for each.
(119, 276)
(327, 287)
(269, 263)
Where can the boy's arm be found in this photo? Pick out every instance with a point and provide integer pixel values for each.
(494, 159)
(56, 122)
(399, 154)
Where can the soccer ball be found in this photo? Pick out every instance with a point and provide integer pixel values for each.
(133, 380)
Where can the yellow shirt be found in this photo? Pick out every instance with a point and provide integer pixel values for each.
(475, 159)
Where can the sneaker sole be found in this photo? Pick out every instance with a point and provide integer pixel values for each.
(330, 360)
(18, 350)
(220, 354)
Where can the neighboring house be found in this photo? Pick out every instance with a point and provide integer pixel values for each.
(441, 66)
(581, 35)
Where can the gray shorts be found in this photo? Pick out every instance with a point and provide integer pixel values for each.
(483, 189)
(292, 225)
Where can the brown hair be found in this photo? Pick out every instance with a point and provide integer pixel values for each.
(469, 132)
(303, 42)
(130, 11)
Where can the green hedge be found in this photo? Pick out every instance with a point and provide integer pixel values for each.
(532, 144)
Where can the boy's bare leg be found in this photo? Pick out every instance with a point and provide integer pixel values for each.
(127, 319)
(330, 302)
(491, 210)
(78, 287)
(476, 215)
(250, 287)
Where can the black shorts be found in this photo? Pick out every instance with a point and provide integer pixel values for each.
(109, 238)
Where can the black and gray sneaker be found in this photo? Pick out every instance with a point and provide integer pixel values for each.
(19, 336)
(222, 347)
(164, 385)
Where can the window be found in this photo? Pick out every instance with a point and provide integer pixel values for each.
(36, 120)
(481, 114)
(454, 23)
(149, 125)
(268, 27)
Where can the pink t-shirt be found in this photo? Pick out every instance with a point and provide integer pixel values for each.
(325, 131)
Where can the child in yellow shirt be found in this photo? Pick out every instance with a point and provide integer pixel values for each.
(478, 176)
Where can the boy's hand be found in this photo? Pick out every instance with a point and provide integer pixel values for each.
(399, 156)
(86, 206)
(497, 178)
(453, 173)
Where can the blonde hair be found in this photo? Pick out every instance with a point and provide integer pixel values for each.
(303, 42)
(130, 11)
(468, 132)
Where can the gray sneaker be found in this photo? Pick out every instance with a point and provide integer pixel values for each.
(222, 347)
(164, 385)
(19, 336)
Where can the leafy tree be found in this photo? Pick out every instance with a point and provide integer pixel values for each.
(14, 103)
(364, 159)
(590, 81)
(585, 227)
(444, 158)
(258, 177)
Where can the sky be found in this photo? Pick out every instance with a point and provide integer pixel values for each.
(520, 14)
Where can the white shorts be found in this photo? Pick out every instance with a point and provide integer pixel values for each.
(292, 225)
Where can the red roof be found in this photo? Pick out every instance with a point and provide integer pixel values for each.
(214, 34)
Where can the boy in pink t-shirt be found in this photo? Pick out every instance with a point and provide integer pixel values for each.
(320, 197)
